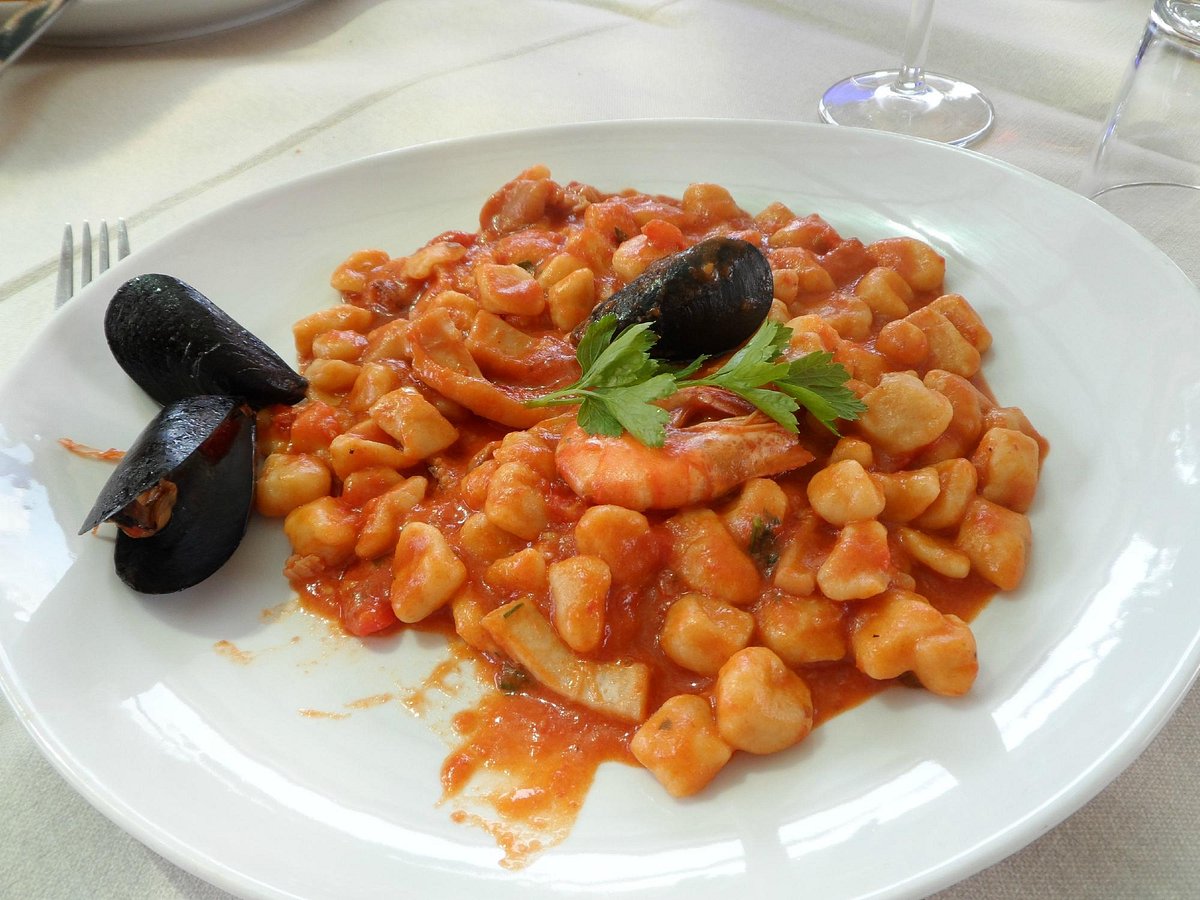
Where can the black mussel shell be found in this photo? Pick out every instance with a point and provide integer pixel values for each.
(706, 299)
(205, 446)
(175, 342)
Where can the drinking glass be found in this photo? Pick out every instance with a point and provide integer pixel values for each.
(910, 100)
(1146, 165)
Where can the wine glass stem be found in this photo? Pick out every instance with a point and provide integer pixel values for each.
(911, 79)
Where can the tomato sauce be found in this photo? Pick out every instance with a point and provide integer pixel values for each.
(526, 752)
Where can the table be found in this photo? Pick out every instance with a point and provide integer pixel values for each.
(163, 133)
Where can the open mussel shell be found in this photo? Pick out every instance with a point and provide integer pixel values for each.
(175, 342)
(706, 299)
(202, 449)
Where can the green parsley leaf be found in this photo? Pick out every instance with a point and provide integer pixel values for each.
(633, 408)
(818, 384)
(754, 364)
(595, 417)
(690, 369)
(817, 370)
(779, 407)
(619, 384)
(624, 362)
(764, 346)
(779, 387)
(598, 336)
(629, 408)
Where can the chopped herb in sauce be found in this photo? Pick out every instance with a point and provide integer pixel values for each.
(512, 679)
(764, 547)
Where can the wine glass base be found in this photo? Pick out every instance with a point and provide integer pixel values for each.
(944, 109)
(1167, 213)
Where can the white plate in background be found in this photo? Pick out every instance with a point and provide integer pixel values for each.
(201, 749)
(110, 23)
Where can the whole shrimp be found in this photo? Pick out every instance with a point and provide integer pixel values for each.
(696, 463)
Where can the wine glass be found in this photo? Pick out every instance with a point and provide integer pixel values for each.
(1146, 166)
(910, 100)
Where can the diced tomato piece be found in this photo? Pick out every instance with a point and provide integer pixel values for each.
(315, 426)
(365, 595)
(664, 235)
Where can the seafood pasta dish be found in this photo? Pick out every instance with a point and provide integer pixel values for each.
(678, 479)
(688, 479)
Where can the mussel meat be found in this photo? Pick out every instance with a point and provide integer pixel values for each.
(706, 299)
(181, 495)
(175, 342)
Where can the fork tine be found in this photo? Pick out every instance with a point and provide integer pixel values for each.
(66, 268)
(66, 279)
(85, 256)
(122, 239)
(103, 246)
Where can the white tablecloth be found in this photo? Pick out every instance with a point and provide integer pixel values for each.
(163, 133)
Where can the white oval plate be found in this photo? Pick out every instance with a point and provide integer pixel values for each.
(207, 757)
(110, 23)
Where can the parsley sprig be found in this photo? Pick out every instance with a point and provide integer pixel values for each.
(621, 381)
(619, 385)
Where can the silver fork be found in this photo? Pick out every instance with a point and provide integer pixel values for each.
(66, 259)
